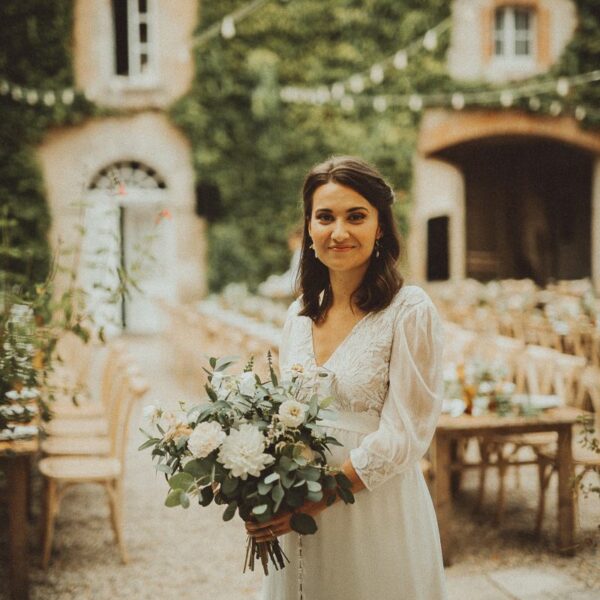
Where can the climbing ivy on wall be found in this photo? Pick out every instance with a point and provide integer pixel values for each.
(36, 52)
(256, 150)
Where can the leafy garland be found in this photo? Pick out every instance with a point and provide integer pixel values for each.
(251, 151)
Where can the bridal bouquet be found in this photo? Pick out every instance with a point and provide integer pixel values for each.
(253, 446)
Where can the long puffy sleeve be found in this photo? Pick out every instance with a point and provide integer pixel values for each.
(414, 398)
(286, 332)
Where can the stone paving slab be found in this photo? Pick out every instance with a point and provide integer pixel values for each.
(534, 584)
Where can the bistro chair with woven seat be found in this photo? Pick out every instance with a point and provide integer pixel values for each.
(63, 472)
(545, 372)
(584, 459)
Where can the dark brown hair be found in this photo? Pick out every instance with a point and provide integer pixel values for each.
(382, 280)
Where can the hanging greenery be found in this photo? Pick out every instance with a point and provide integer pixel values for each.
(35, 53)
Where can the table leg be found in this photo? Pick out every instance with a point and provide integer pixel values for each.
(566, 503)
(443, 493)
(17, 469)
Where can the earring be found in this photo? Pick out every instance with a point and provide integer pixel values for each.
(377, 248)
(312, 246)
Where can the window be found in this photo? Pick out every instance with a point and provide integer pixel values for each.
(514, 33)
(438, 254)
(135, 37)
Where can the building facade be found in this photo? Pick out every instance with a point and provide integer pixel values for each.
(132, 172)
(505, 193)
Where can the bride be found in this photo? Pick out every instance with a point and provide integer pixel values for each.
(377, 344)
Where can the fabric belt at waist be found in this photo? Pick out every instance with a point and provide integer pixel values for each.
(351, 421)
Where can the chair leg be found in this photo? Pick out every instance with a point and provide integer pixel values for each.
(50, 513)
(115, 499)
(545, 471)
(484, 455)
(502, 467)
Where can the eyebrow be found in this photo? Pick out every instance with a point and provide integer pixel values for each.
(348, 211)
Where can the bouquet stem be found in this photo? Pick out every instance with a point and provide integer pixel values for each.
(264, 551)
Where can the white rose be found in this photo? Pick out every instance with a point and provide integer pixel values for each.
(242, 452)
(247, 384)
(291, 413)
(152, 413)
(205, 438)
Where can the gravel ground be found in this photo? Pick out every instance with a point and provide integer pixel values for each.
(177, 554)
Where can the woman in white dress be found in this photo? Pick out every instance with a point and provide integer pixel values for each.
(380, 344)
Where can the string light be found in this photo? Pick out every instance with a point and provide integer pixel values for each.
(400, 60)
(562, 86)
(415, 103)
(555, 108)
(338, 91)
(380, 104)
(430, 40)
(458, 101)
(357, 83)
(228, 27)
(580, 113)
(506, 98)
(535, 103)
(377, 74)
(347, 103)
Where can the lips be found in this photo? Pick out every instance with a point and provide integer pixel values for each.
(341, 248)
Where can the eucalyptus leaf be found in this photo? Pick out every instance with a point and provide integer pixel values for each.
(313, 486)
(184, 500)
(181, 481)
(314, 496)
(229, 485)
(173, 498)
(260, 509)
(263, 488)
(230, 511)
(271, 478)
(303, 524)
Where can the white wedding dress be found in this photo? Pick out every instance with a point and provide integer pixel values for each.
(386, 377)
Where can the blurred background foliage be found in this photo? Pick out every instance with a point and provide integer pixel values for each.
(255, 150)
(36, 51)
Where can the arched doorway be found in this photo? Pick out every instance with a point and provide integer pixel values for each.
(124, 230)
(527, 207)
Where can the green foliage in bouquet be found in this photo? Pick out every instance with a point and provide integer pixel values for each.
(255, 447)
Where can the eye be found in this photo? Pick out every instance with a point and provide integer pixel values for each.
(357, 216)
(324, 217)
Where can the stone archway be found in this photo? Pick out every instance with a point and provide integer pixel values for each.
(554, 163)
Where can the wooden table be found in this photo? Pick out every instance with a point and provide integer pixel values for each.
(450, 429)
(15, 460)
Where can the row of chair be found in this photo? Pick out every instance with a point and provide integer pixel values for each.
(534, 370)
(86, 443)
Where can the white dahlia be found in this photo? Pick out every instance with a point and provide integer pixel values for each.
(242, 451)
(247, 383)
(205, 438)
(291, 413)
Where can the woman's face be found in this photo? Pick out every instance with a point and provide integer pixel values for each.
(343, 227)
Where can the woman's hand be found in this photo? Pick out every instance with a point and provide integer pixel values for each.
(280, 524)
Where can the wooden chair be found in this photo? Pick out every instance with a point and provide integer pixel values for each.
(585, 460)
(64, 408)
(544, 371)
(62, 473)
(73, 426)
(95, 445)
(457, 343)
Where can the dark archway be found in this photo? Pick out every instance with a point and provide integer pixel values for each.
(528, 207)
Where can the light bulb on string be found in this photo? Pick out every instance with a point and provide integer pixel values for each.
(380, 104)
(400, 60)
(377, 74)
(228, 27)
(430, 40)
(580, 113)
(506, 98)
(562, 86)
(16, 93)
(49, 98)
(32, 97)
(535, 103)
(338, 91)
(4, 88)
(415, 103)
(323, 95)
(457, 101)
(347, 103)
(555, 108)
(357, 83)
(67, 96)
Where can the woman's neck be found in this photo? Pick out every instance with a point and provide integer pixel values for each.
(343, 285)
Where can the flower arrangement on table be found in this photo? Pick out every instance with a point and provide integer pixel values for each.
(254, 446)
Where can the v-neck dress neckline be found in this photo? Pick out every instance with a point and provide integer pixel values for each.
(337, 348)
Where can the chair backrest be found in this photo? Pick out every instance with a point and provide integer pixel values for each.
(457, 342)
(589, 388)
(135, 387)
(567, 376)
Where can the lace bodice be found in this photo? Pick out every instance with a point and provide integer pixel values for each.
(389, 365)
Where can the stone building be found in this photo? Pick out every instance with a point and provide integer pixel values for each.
(506, 194)
(133, 56)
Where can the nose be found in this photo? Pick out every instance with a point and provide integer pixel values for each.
(339, 233)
